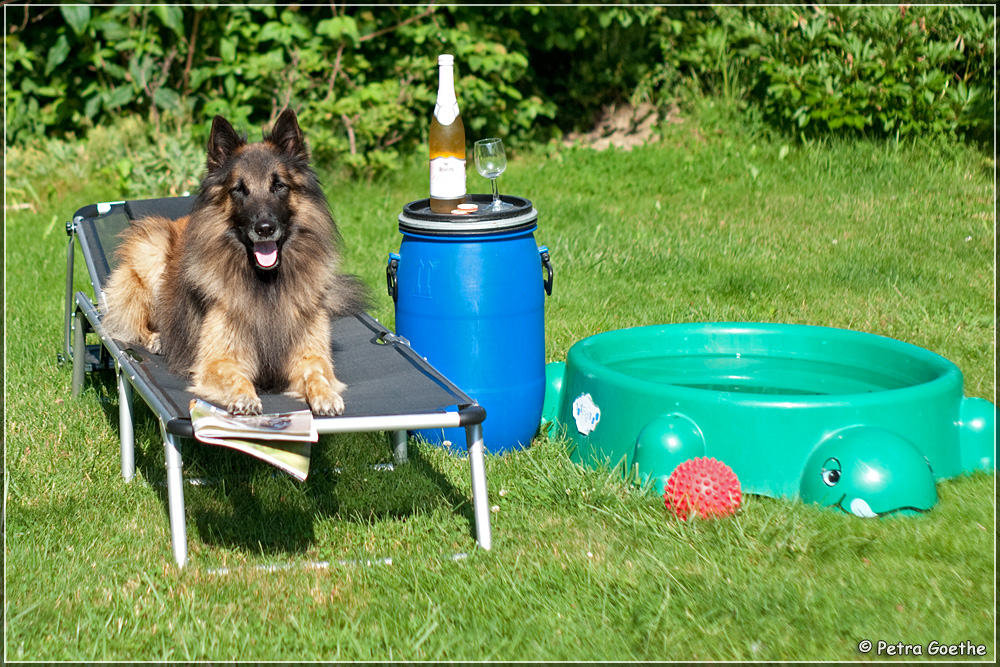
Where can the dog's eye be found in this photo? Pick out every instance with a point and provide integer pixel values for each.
(240, 190)
(278, 187)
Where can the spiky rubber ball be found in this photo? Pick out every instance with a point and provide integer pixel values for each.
(703, 485)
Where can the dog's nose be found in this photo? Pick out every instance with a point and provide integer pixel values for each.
(264, 228)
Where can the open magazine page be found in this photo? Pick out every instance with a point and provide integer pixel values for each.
(211, 421)
(292, 457)
(288, 436)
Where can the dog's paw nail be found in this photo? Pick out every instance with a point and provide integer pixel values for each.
(246, 405)
(329, 406)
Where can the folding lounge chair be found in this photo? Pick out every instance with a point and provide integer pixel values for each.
(390, 387)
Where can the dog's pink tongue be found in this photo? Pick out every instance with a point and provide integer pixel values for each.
(266, 253)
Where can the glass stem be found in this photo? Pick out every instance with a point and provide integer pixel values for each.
(496, 195)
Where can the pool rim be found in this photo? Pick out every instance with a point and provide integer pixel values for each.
(945, 374)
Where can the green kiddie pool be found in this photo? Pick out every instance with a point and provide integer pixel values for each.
(850, 420)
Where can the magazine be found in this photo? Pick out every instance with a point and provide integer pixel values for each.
(282, 439)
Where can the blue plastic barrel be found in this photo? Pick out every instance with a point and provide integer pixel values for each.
(470, 295)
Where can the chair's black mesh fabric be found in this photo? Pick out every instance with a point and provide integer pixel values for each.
(98, 238)
(170, 207)
(101, 235)
(382, 379)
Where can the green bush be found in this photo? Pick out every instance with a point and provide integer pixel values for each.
(896, 71)
(364, 79)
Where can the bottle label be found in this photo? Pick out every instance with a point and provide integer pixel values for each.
(447, 178)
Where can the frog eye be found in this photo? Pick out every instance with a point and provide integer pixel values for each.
(831, 471)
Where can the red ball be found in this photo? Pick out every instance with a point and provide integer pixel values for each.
(702, 485)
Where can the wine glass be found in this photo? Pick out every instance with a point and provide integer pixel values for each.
(490, 163)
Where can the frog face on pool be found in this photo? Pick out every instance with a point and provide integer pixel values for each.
(868, 472)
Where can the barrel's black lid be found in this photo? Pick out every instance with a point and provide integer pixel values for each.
(417, 217)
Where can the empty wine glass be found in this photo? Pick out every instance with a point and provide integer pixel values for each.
(490, 163)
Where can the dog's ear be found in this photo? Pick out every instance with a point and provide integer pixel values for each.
(287, 136)
(222, 143)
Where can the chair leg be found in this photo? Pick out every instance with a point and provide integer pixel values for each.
(399, 450)
(67, 340)
(79, 351)
(175, 496)
(480, 499)
(126, 425)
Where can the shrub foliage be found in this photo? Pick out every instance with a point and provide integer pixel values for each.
(891, 71)
(366, 77)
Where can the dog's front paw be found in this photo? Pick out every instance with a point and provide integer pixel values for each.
(246, 404)
(325, 395)
(329, 404)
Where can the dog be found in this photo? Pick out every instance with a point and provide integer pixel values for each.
(240, 294)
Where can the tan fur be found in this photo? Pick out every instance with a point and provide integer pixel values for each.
(223, 366)
(312, 370)
(135, 285)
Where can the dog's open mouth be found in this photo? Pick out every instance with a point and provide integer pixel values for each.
(266, 254)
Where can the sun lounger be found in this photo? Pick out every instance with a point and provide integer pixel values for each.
(390, 387)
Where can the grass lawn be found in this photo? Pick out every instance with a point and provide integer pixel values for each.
(710, 224)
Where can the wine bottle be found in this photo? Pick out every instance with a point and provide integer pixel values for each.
(447, 143)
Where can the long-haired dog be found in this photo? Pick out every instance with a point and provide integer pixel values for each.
(240, 294)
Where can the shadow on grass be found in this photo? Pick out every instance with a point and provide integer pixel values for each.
(260, 510)
(236, 501)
